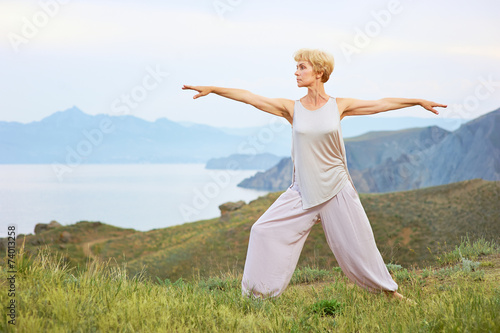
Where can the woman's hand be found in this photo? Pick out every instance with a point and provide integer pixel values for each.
(277, 106)
(428, 105)
(203, 90)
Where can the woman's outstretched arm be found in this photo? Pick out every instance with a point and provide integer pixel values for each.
(358, 107)
(277, 106)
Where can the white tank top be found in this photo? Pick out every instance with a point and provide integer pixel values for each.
(318, 153)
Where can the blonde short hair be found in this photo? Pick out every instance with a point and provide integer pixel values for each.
(321, 61)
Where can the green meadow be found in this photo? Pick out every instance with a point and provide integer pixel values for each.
(462, 294)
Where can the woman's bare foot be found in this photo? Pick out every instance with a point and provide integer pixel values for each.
(398, 296)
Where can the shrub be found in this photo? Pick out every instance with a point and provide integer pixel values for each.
(393, 267)
(326, 307)
(469, 250)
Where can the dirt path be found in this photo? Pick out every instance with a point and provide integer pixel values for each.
(86, 246)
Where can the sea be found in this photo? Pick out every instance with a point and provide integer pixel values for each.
(138, 196)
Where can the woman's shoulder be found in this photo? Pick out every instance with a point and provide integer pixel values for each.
(289, 104)
(341, 101)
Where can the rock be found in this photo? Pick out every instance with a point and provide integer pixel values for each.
(36, 241)
(65, 237)
(231, 206)
(228, 207)
(41, 227)
(54, 224)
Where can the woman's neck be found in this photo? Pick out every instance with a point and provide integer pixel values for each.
(316, 96)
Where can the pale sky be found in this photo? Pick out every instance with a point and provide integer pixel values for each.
(90, 54)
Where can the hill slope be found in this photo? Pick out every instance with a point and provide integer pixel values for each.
(408, 227)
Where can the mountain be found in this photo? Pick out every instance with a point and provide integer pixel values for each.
(243, 162)
(472, 151)
(409, 227)
(373, 148)
(73, 137)
(409, 159)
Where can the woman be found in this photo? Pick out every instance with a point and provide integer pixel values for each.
(322, 189)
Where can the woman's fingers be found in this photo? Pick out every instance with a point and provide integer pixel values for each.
(194, 88)
(191, 87)
(438, 105)
(188, 87)
(431, 105)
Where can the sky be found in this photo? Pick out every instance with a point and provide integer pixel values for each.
(132, 57)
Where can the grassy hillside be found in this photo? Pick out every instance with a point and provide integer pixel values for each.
(410, 227)
(463, 296)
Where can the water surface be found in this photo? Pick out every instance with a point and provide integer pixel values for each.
(139, 196)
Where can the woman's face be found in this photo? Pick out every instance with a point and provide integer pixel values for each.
(305, 74)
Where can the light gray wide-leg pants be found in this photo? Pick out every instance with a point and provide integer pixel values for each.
(278, 236)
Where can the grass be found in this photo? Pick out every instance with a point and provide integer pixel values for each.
(308, 275)
(102, 297)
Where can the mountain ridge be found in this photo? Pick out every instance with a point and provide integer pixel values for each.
(161, 141)
(129, 140)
